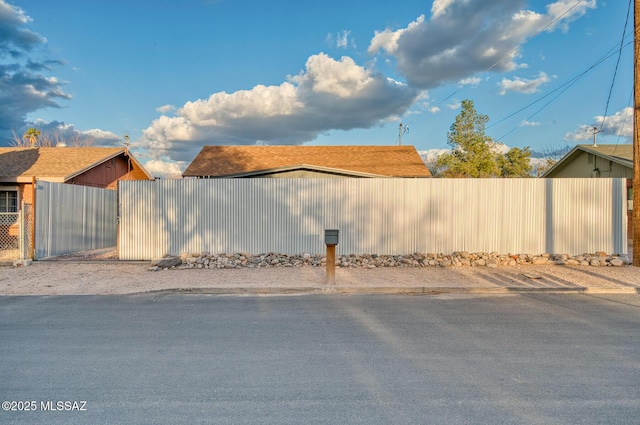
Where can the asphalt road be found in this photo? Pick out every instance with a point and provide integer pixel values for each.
(173, 359)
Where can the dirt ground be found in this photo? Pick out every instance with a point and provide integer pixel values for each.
(98, 273)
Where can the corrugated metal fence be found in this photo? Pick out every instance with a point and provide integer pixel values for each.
(71, 218)
(377, 216)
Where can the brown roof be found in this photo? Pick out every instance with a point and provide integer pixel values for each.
(56, 163)
(387, 161)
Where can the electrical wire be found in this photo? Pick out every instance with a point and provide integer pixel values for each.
(624, 121)
(509, 53)
(615, 72)
(543, 29)
(564, 88)
(604, 58)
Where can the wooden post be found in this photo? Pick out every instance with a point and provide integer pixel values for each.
(635, 216)
(34, 193)
(331, 265)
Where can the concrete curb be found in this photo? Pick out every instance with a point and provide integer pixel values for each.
(420, 290)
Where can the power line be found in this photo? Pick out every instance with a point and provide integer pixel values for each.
(604, 58)
(615, 72)
(564, 88)
(543, 29)
(624, 121)
(509, 53)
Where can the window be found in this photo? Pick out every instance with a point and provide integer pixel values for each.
(8, 201)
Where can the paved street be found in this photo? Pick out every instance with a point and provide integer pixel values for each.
(156, 359)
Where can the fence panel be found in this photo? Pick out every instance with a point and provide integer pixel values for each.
(72, 218)
(376, 216)
(10, 236)
(15, 234)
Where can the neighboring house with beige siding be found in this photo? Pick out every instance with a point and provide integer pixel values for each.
(595, 161)
(307, 162)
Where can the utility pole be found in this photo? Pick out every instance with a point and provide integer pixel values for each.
(635, 216)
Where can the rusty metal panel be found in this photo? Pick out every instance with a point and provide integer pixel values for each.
(376, 216)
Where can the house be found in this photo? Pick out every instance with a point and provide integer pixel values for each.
(598, 161)
(595, 161)
(20, 167)
(307, 162)
(86, 166)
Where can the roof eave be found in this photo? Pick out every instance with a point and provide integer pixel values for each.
(561, 161)
(587, 149)
(283, 169)
(93, 165)
(138, 164)
(617, 159)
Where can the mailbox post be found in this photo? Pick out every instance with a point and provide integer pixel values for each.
(331, 240)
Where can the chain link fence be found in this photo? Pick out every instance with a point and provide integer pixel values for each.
(16, 230)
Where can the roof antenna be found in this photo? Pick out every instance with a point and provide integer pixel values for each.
(126, 152)
(594, 131)
(401, 132)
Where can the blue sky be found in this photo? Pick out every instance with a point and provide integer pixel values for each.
(177, 75)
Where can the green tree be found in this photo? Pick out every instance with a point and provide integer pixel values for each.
(545, 165)
(516, 163)
(474, 154)
(31, 136)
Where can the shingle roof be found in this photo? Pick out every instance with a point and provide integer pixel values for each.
(387, 161)
(60, 163)
(619, 152)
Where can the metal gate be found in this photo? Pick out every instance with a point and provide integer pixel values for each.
(16, 234)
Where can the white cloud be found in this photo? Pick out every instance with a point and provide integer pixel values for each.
(166, 109)
(523, 85)
(71, 136)
(341, 40)
(456, 104)
(530, 124)
(387, 40)
(24, 62)
(330, 94)
(501, 148)
(464, 37)
(98, 134)
(164, 168)
(439, 7)
(430, 156)
(471, 81)
(434, 109)
(619, 124)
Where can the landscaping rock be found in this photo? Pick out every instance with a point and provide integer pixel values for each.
(616, 262)
(370, 261)
(167, 262)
